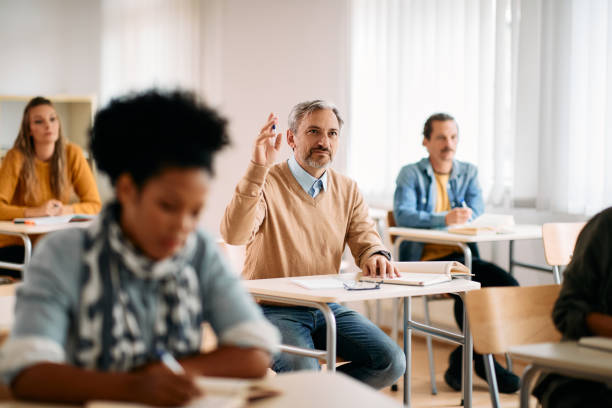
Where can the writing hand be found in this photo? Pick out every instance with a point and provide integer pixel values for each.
(459, 215)
(158, 385)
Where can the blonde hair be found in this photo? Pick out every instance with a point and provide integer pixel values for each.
(25, 144)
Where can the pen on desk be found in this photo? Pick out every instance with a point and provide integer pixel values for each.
(26, 222)
(169, 361)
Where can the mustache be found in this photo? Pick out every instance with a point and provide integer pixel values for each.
(447, 149)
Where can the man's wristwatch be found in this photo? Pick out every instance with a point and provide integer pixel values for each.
(386, 254)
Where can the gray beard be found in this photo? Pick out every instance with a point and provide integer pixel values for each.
(317, 165)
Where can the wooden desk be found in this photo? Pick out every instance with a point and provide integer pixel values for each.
(304, 389)
(441, 236)
(24, 231)
(284, 291)
(566, 358)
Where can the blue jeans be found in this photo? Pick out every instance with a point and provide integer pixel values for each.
(373, 357)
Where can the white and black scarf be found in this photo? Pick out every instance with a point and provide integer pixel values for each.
(110, 333)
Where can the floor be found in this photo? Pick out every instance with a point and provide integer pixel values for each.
(447, 397)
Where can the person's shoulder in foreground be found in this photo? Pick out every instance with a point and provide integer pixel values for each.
(584, 308)
(99, 307)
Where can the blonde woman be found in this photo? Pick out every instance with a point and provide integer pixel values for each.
(40, 174)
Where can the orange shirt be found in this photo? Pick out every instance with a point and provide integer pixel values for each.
(80, 182)
(434, 251)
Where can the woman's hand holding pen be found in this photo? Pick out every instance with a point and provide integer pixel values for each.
(268, 142)
(50, 208)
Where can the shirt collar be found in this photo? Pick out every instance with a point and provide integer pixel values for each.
(305, 180)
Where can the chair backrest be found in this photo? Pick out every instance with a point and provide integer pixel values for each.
(502, 317)
(559, 241)
(391, 223)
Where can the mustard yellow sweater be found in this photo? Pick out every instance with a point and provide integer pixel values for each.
(289, 233)
(12, 193)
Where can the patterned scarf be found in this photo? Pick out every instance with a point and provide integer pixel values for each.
(114, 334)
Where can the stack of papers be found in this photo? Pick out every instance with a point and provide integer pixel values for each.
(324, 283)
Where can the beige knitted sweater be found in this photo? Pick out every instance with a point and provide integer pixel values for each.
(289, 233)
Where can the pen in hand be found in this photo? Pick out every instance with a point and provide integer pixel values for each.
(169, 361)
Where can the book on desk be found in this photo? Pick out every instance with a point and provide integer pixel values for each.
(422, 273)
(485, 224)
(54, 220)
(217, 393)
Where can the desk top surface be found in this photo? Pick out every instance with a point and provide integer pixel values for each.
(302, 389)
(283, 287)
(567, 355)
(520, 231)
(10, 226)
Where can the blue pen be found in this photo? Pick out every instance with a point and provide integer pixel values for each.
(169, 361)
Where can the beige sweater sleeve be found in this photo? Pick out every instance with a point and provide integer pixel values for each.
(362, 238)
(247, 210)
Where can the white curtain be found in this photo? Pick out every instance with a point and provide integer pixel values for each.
(159, 43)
(569, 107)
(413, 58)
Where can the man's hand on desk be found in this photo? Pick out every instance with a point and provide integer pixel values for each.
(459, 215)
(379, 265)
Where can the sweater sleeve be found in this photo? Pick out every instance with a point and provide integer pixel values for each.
(362, 238)
(247, 210)
(9, 178)
(83, 181)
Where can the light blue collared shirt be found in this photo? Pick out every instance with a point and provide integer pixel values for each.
(311, 185)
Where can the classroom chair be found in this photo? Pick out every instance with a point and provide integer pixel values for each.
(502, 317)
(559, 241)
(432, 371)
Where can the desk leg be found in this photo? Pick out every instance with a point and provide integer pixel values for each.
(407, 351)
(467, 254)
(467, 357)
(529, 375)
(330, 322)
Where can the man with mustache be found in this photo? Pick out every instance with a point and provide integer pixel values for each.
(436, 192)
(296, 217)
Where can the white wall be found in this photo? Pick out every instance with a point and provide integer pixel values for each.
(49, 47)
(275, 54)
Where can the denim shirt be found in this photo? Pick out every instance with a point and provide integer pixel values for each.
(415, 198)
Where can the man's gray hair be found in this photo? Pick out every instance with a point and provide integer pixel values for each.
(306, 108)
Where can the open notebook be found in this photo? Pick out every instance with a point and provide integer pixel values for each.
(54, 220)
(486, 224)
(218, 393)
(423, 273)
